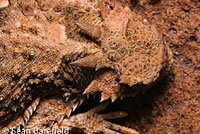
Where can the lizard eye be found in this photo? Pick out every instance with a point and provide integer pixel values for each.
(114, 48)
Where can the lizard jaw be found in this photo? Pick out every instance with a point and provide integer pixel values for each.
(104, 82)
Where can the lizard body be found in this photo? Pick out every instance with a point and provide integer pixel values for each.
(47, 51)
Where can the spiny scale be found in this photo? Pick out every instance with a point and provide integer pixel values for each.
(29, 111)
(93, 87)
(23, 119)
(88, 61)
(68, 112)
(104, 96)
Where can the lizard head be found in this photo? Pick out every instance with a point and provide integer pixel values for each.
(129, 45)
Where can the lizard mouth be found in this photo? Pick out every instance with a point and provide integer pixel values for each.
(106, 82)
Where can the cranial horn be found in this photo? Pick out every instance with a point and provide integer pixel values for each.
(93, 31)
(74, 106)
(114, 97)
(93, 87)
(104, 96)
(88, 61)
(68, 112)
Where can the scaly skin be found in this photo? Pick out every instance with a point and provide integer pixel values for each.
(40, 56)
(33, 63)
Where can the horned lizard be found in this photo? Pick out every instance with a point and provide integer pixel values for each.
(44, 50)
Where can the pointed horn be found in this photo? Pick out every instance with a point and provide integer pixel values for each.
(60, 118)
(104, 96)
(93, 31)
(93, 87)
(114, 97)
(68, 112)
(81, 101)
(74, 106)
(88, 61)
